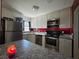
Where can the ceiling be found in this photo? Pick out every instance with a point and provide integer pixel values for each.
(45, 6)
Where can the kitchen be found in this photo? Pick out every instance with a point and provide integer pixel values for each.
(50, 28)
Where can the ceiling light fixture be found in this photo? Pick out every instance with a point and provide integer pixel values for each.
(50, 1)
(35, 8)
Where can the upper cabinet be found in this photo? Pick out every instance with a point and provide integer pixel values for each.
(65, 18)
(39, 22)
(64, 15)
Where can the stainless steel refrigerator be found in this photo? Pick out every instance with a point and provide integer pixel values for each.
(13, 30)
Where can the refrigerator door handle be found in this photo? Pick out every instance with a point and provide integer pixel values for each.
(6, 25)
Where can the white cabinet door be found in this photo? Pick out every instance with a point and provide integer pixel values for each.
(65, 47)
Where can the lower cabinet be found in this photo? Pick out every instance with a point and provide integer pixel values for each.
(39, 39)
(65, 47)
(31, 37)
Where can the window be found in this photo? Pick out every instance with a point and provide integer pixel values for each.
(26, 26)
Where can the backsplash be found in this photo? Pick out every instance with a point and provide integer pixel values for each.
(38, 29)
(64, 30)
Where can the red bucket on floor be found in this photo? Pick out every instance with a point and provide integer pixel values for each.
(11, 50)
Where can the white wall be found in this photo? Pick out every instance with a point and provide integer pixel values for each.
(41, 21)
(10, 13)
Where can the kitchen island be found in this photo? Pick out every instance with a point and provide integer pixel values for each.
(35, 37)
(29, 50)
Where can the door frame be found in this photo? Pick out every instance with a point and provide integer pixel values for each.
(75, 43)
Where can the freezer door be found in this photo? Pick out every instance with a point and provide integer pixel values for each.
(9, 26)
(13, 26)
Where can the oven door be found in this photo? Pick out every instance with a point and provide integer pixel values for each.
(51, 41)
